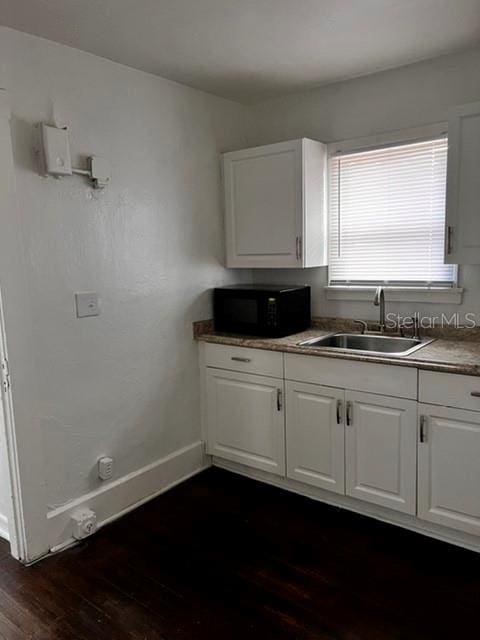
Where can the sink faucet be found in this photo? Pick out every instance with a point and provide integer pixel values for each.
(379, 301)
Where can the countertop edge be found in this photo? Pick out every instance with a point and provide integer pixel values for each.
(408, 361)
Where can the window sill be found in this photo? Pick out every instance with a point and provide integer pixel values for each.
(397, 294)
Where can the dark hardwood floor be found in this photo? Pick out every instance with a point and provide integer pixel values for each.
(223, 557)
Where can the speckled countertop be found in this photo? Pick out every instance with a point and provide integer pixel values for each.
(453, 351)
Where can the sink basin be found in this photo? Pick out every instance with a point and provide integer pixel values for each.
(377, 344)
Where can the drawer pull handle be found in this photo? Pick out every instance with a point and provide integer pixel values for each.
(237, 359)
(475, 394)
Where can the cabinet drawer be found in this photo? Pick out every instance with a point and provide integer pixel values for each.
(449, 390)
(389, 380)
(259, 361)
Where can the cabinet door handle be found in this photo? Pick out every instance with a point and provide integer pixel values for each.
(238, 359)
(423, 429)
(339, 412)
(279, 399)
(449, 240)
(349, 413)
(300, 247)
(475, 394)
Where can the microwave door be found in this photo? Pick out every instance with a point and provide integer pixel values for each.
(243, 311)
(240, 314)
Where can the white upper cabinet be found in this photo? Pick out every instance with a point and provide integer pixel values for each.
(275, 205)
(462, 244)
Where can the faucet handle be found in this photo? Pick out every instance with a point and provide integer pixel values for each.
(412, 324)
(363, 325)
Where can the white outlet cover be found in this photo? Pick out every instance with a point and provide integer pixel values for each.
(105, 468)
(84, 523)
(87, 304)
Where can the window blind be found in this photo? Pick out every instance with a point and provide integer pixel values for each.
(387, 216)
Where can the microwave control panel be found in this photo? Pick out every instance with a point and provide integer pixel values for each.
(272, 312)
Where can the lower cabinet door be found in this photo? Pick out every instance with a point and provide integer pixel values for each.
(381, 450)
(245, 419)
(315, 435)
(449, 468)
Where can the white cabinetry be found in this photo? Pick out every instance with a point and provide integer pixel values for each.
(275, 205)
(315, 435)
(463, 186)
(449, 468)
(359, 444)
(245, 419)
(449, 450)
(380, 430)
(381, 450)
(342, 433)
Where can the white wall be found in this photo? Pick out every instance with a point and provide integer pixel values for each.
(125, 384)
(402, 98)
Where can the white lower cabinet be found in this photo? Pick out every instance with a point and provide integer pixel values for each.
(420, 459)
(245, 419)
(381, 450)
(449, 468)
(359, 444)
(315, 435)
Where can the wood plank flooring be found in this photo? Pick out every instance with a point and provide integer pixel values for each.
(223, 557)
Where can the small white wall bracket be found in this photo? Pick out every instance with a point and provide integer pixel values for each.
(55, 152)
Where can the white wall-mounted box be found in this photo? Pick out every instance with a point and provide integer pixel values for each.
(56, 151)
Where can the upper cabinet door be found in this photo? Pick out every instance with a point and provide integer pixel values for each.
(462, 235)
(381, 450)
(275, 205)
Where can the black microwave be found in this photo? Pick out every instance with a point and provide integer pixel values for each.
(262, 310)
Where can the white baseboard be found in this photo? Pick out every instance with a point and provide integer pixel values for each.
(4, 533)
(125, 494)
(458, 538)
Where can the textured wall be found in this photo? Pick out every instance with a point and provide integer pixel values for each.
(124, 384)
(406, 97)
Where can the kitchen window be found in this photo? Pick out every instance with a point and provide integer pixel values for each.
(387, 216)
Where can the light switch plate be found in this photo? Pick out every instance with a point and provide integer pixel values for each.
(87, 304)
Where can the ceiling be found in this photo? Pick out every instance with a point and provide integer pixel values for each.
(249, 50)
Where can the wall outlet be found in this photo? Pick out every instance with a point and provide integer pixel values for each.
(84, 523)
(87, 304)
(105, 468)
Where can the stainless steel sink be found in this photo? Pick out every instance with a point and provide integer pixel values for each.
(376, 344)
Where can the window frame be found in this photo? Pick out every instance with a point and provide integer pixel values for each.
(398, 291)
